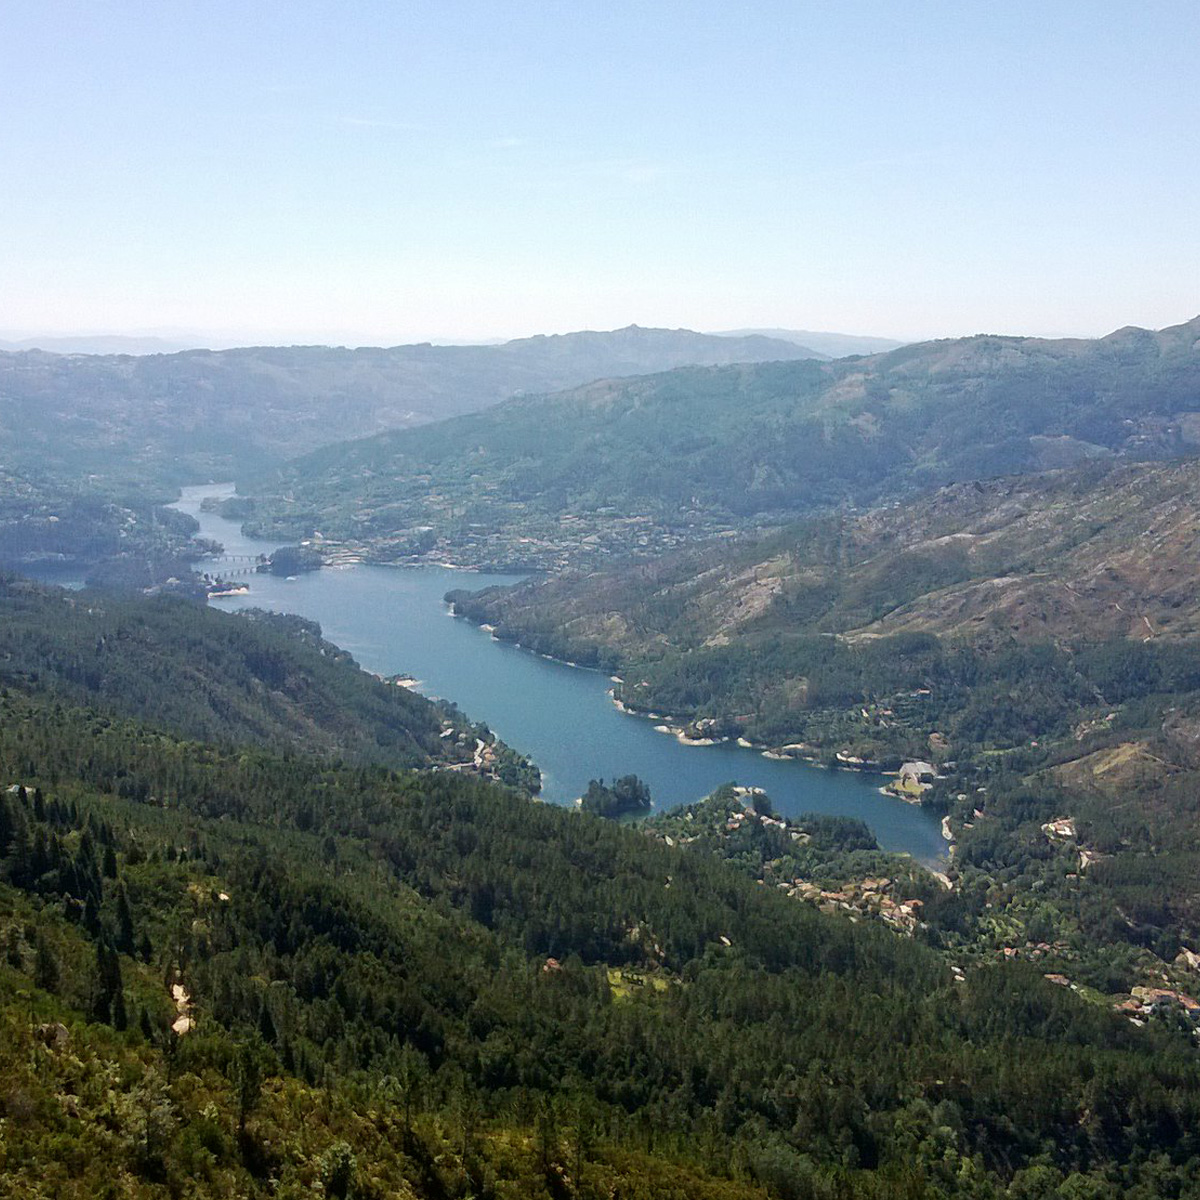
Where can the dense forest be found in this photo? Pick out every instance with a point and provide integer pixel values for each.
(229, 972)
(250, 678)
(1022, 733)
(623, 797)
(117, 535)
(1028, 637)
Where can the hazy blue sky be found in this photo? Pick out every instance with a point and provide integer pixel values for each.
(394, 171)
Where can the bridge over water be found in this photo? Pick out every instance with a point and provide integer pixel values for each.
(233, 566)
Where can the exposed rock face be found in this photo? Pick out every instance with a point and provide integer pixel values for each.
(55, 1036)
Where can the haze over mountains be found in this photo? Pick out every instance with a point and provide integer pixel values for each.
(834, 345)
(205, 414)
(100, 343)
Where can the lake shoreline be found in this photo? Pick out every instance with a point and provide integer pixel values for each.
(393, 622)
(677, 726)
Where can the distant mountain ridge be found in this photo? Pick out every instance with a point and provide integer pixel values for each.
(100, 343)
(833, 345)
(698, 450)
(202, 414)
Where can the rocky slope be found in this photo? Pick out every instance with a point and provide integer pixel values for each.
(1096, 552)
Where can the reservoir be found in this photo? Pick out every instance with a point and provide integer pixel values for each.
(394, 621)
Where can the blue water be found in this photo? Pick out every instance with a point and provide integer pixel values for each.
(393, 620)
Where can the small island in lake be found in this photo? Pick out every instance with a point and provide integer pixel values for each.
(292, 560)
(627, 796)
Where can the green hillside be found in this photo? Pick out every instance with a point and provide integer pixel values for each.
(203, 414)
(1033, 638)
(1102, 551)
(123, 533)
(250, 678)
(635, 467)
(390, 984)
(262, 933)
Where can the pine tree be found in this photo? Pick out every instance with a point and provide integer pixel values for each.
(39, 858)
(91, 916)
(20, 856)
(45, 966)
(108, 999)
(247, 1080)
(266, 1026)
(120, 1018)
(7, 826)
(12, 949)
(124, 919)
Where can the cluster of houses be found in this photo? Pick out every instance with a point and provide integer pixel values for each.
(862, 898)
(1032, 951)
(1060, 830)
(1145, 1002)
(1063, 829)
(547, 543)
(484, 760)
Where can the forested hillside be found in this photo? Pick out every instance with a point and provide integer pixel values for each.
(251, 678)
(263, 933)
(1032, 639)
(279, 974)
(634, 467)
(123, 533)
(1084, 554)
(202, 414)
(994, 614)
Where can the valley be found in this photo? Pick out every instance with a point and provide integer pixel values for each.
(394, 620)
(468, 733)
(263, 871)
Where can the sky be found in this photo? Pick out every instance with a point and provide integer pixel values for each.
(388, 172)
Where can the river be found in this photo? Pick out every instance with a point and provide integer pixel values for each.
(393, 620)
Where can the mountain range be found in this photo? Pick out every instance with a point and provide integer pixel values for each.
(1105, 550)
(822, 343)
(593, 471)
(203, 414)
(260, 934)
(834, 345)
